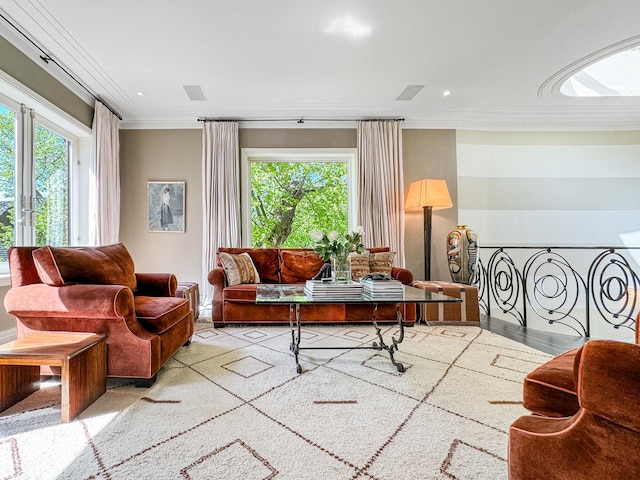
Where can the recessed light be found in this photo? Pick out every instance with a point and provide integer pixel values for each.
(141, 94)
(446, 93)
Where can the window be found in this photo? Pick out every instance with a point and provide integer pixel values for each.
(35, 168)
(613, 76)
(287, 194)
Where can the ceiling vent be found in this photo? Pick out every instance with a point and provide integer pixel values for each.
(409, 92)
(195, 93)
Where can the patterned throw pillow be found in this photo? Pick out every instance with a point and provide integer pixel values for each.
(359, 264)
(239, 268)
(381, 262)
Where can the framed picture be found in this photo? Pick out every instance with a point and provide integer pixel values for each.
(165, 203)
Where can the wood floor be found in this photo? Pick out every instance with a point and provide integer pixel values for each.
(551, 343)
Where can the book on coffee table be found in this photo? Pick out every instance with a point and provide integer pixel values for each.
(321, 289)
(381, 288)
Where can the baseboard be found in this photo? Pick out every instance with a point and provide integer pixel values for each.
(7, 335)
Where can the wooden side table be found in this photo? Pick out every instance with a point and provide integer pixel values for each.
(82, 360)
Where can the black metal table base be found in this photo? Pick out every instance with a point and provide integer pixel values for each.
(294, 322)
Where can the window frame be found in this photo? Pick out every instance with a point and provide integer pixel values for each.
(296, 155)
(52, 118)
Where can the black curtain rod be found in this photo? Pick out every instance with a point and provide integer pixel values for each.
(46, 58)
(299, 120)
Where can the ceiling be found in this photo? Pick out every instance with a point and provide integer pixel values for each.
(503, 61)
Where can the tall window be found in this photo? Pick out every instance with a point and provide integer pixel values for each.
(34, 180)
(288, 194)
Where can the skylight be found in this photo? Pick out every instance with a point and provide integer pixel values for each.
(614, 76)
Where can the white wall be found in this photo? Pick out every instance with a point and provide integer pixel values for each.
(552, 189)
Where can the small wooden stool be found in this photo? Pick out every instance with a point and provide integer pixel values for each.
(82, 360)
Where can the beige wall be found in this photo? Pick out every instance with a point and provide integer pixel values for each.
(30, 74)
(148, 155)
(429, 154)
(161, 155)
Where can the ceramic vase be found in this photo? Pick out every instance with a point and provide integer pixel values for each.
(462, 254)
(340, 267)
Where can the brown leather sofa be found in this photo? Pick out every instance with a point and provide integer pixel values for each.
(599, 441)
(95, 289)
(551, 389)
(236, 304)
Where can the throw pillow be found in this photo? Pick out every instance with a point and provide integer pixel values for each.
(105, 265)
(381, 262)
(299, 265)
(359, 264)
(239, 268)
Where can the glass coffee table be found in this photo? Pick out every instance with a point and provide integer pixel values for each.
(295, 297)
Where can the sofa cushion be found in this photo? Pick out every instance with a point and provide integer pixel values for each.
(359, 264)
(550, 389)
(266, 261)
(239, 268)
(105, 265)
(299, 265)
(381, 262)
(159, 314)
(240, 293)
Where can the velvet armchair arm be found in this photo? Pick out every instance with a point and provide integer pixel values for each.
(103, 309)
(218, 279)
(156, 284)
(402, 274)
(600, 440)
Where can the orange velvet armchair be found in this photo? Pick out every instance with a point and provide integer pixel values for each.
(551, 389)
(602, 439)
(95, 289)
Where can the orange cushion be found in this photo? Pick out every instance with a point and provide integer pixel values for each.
(299, 265)
(550, 389)
(159, 314)
(105, 265)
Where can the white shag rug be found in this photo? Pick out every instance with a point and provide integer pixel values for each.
(231, 406)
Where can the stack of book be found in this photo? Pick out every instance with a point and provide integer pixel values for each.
(318, 289)
(381, 288)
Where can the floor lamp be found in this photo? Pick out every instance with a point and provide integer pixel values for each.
(429, 194)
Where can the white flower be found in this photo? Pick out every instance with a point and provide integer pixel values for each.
(333, 236)
(360, 229)
(317, 236)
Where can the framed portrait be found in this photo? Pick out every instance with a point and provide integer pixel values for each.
(165, 206)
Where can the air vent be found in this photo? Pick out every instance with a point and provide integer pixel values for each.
(195, 93)
(409, 92)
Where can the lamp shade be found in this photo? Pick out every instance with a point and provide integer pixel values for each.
(428, 192)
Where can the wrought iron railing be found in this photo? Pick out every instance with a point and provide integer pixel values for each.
(577, 288)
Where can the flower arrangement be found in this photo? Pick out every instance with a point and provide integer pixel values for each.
(332, 244)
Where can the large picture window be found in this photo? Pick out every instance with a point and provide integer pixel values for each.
(290, 193)
(35, 162)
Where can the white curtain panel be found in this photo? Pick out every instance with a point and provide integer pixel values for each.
(381, 189)
(104, 180)
(220, 195)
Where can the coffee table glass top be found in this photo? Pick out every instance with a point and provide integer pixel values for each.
(294, 293)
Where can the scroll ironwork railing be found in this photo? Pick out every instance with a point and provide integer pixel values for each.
(573, 290)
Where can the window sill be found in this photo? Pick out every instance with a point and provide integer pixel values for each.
(5, 280)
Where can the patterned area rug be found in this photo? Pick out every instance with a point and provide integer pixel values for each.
(231, 406)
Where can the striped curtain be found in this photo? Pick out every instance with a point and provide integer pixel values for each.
(104, 180)
(220, 195)
(381, 185)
